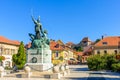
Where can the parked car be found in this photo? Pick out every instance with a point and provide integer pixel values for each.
(72, 61)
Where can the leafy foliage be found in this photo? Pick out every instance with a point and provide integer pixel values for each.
(2, 58)
(61, 58)
(78, 48)
(20, 58)
(110, 59)
(96, 62)
(97, 40)
(101, 62)
(116, 67)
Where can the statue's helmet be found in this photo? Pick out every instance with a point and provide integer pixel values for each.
(38, 20)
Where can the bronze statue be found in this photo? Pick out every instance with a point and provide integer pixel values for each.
(40, 39)
(38, 27)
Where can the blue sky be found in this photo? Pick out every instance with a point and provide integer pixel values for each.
(68, 20)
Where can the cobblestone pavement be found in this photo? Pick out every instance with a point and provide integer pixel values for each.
(81, 72)
(77, 72)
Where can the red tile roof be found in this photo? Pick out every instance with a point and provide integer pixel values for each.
(55, 46)
(28, 45)
(111, 41)
(88, 49)
(80, 53)
(7, 41)
(69, 44)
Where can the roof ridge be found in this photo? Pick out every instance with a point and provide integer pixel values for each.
(8, 41)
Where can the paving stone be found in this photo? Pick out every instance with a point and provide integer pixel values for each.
(77, 72)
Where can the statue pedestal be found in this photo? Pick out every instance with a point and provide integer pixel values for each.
(40, 66)
(39, 59)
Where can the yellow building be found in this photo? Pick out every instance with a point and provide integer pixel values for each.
(60, 52)
(7, 49)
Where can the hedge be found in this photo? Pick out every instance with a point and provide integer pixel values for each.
(102, 62)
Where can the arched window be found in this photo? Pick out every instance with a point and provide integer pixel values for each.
(115, 51)
(98, 52)
(105, 51)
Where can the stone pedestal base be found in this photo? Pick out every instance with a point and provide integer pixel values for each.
(68, 71)
(26, 75)
(40, 66)
(2, 74)
(56, 76)
(64, 73)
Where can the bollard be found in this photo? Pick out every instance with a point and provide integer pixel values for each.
(62, 69)
(67, 69)
(27, 70)
(56, 74)
(1, 71)
(56, 69)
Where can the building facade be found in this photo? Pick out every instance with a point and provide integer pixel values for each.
(7, 49)
(108, 45)
(60, 52)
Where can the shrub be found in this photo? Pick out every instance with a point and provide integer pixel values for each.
(96, 62)
(110, 59)
(101, 62)
(8, 68)
(61, 58)
(19, 59)
(116, 67)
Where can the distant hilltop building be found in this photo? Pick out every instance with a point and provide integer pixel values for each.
(7, 49)
(86, 42)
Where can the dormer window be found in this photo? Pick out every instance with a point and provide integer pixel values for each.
(57, 46)
(104, 43)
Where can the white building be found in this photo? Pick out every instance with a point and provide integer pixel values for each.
(7, 49)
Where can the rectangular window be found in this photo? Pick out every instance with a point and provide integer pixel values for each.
(56, 54)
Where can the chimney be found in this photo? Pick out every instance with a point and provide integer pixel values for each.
(102, 36)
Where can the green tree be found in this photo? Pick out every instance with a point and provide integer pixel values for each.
(97, 40)
(0, 60)
(80, 48)
(19, 59)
